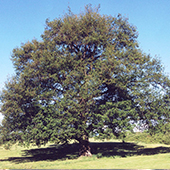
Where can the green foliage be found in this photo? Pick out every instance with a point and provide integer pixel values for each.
(87, 76)
(146, 137)
(99, 155)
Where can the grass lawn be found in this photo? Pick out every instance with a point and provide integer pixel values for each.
(111, 154)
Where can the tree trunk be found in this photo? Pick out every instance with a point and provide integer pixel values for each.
(84, 147)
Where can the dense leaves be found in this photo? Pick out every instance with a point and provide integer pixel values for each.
(86, 77)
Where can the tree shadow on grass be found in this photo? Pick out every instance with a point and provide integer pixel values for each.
(51, 153)
(70, 151)
(113, 149)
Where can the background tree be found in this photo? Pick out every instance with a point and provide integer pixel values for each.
(86, 77)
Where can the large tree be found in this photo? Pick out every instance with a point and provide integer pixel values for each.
(87, 76)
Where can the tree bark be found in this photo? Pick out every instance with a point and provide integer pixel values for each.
(85, 149)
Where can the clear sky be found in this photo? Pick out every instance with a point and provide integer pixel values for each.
(24, 20)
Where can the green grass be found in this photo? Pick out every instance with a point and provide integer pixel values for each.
(111, 154)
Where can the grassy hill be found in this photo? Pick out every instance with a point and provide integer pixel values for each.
(112, 154)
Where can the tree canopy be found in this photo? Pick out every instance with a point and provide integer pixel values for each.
(86, 77)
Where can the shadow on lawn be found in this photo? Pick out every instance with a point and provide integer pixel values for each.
(70, 151)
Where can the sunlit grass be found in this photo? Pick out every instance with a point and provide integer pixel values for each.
(132, 156)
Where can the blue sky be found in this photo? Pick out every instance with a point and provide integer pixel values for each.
(24, 20)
